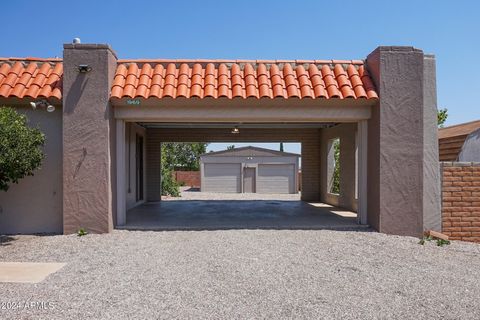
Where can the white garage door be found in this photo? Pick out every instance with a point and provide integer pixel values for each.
(221, 177)
(276, 178)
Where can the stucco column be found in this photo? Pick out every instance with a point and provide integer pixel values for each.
(88, 138)
(311, 167)
(403, 185)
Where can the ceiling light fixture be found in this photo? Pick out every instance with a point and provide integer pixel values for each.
(235, 130)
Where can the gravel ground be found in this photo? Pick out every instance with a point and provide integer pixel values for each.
(186, 193)
(246, 274)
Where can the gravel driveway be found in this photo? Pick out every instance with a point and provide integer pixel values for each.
(247, 274)
(187, 193)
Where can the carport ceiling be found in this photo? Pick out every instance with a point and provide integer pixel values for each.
(159, 125)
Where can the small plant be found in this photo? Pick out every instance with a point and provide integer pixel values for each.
(425, 239)
(440, 242)
(82, 232)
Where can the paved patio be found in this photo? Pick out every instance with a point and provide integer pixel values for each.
(193, 211)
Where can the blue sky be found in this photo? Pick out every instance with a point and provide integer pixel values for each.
(262, 30)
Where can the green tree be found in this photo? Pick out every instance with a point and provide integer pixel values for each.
(179, 156)
(169, 185)
(20, 147)
(185, 156)
(231, 147)
(442, 116)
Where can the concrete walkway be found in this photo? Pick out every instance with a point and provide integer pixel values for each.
(238, 214)
(27, 272)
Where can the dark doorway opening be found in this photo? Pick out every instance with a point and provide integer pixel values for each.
(139, 167)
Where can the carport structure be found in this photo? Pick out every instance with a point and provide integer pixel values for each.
(383, 110)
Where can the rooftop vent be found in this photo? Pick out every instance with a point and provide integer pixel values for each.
(76, 40)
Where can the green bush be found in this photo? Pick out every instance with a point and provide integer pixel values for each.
(170, 187)
(20, 147)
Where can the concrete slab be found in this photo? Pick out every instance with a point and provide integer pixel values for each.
(238, 214)
(27, 272)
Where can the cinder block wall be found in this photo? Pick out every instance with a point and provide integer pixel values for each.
(189, 178)
(461, 200)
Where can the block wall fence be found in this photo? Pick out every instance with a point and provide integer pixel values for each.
(188, 178)
(461, 200)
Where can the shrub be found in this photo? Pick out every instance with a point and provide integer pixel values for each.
(170, 187)
(20, 147)
(82, 232)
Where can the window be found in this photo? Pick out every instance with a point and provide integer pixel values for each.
(333, 166)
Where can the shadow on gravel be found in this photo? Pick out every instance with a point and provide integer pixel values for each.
(192, 189)
(6, 240)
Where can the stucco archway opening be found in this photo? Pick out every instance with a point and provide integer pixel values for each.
(317, 206)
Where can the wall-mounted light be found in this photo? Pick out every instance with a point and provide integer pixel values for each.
(235, 130)
(84, 68)
(42, 104)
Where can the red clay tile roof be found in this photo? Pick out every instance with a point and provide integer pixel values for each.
(242, 78)
(42, 78)
(31, 77)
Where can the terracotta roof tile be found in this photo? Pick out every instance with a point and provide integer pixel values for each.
(327, 79)
(31, 77)
(187, 78)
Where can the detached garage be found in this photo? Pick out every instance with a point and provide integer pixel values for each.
(249, 170)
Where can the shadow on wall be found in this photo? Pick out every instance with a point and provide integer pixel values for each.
(74, 94)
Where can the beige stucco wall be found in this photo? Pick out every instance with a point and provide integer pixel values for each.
(34, 205)
(89, 140)
(131, 130)
(403, 167)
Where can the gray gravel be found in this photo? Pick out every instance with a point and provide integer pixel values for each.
(247, 274)
(187, 193)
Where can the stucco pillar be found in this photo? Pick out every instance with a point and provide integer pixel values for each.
(403, 184)
(311, 167)
(88, 138)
